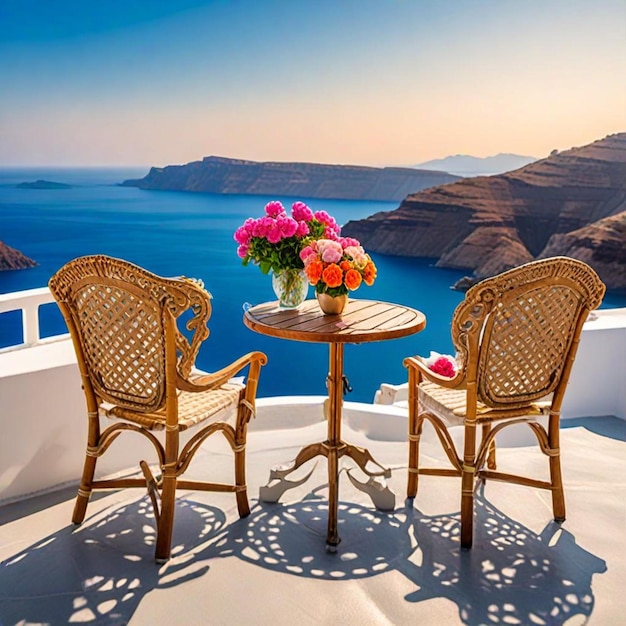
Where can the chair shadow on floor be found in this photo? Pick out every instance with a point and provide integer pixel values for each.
(101, 571)
(512, 575)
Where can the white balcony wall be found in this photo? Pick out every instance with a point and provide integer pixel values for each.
(44, 423)
(597, 385)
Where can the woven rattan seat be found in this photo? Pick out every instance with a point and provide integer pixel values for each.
(451, 404)
(136, 367)
(193, 408)
(516, 337)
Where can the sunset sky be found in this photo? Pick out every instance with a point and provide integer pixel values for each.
(370, 82)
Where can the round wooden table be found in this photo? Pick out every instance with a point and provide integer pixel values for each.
(362, 321)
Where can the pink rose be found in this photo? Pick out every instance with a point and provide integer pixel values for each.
(273, 233)
(301, 212)
(255, 228)
(288, 226)
(331, 230)
(274, 208)
(308, 254)
(303, 229)
(330, 250)
(242, 236)
(349, 242)
(330, 233)
(262, 226)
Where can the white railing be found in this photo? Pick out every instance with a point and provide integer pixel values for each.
(28, 302)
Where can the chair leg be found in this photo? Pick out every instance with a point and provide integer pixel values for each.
(491, 455)
(467, 509)
(84, 491)
(556, 478)
(415, 433)
(467, 485)
(244, 413)
(243, 505)
(558, 495)
(166, 520)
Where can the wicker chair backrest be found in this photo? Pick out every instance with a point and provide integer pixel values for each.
(116, 313)
(516, 331)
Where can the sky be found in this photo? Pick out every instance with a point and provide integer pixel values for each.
(367, 82)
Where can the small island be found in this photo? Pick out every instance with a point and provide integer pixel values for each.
(43, 184)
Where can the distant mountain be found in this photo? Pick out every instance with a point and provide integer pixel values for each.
(305, 180)
(43, 184)
(572, 203)
(11, 259)
(465, 165)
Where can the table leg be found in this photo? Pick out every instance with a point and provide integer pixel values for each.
(332, 535)
(335, 401)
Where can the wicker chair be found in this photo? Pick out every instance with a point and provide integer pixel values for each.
(516, 337)
(136, 367)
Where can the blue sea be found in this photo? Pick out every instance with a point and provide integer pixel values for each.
(178, 233)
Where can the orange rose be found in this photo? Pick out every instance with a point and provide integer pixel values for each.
(345, 265)
(313, 271)
(353, 279)
(332, 275)
(369, 273)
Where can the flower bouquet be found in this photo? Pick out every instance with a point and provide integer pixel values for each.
(274, 241)
(334, 267)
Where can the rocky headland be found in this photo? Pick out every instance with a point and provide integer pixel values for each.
(12, 259)
(303, 180)
(571, 203)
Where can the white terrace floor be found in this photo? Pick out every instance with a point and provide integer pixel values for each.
(400, 567)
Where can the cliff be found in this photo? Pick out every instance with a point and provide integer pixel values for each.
(11, 259)
(601, 244)
(571, 203)
(301, 180)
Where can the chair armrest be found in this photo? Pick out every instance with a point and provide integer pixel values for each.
(417, 363)
(217, 379)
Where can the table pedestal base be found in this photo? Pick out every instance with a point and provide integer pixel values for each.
(382, 497)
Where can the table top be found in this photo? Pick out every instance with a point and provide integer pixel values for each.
(362, 321)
